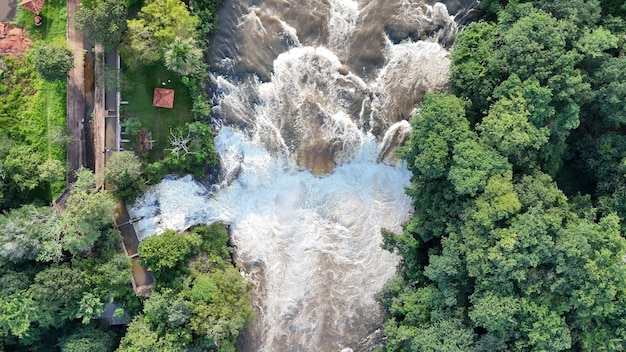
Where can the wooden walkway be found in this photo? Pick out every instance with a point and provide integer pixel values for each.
(106, 137)
(142, 279)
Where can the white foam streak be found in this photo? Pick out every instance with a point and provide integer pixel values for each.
(317, 238)
(396, 91)
(343, 20)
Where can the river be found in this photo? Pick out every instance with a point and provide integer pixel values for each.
(311, 98)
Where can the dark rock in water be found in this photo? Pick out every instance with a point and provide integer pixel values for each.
(171, 177)
(375, 339)
(344, 70)
(466, 17)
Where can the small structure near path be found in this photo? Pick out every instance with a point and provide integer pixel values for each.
(163, 98)
(34, 6)
(111, 315)
(145, 140)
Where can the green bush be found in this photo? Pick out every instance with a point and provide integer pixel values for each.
(52, 61)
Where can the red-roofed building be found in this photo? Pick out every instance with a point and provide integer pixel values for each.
(33, 6)
(163, 98)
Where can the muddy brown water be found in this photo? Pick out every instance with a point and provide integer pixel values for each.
(312, 80)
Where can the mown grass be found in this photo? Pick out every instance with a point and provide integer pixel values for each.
(137, 88)
(52, 29)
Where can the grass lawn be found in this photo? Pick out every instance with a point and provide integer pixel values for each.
(39, 114)
(138, 89)
(52, 29)
(48, 109)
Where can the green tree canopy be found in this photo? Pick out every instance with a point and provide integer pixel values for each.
(165, 253)
(88, 212)
(17, 312)
(124, 174)
(52, 61)
(510, 263)
(140, 337)
(474, 73)
(208, 303)
(157, 25)
(610, 88)
(57, 292)
(87, 339)
(102, 22)
(220, 305)
(21, 165)
(23, 232)
(183, 56)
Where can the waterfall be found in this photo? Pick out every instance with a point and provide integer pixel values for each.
(311, 99)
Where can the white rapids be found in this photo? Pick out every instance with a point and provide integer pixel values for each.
(316, 240)
(319, 87)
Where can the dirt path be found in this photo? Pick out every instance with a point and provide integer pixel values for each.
(75, 96)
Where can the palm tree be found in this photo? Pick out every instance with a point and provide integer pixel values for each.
(183, 56)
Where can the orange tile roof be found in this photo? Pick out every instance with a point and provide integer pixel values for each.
(33, 6)
(163, 98)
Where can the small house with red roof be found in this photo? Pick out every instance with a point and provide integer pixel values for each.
(34, 6)
(163, 98)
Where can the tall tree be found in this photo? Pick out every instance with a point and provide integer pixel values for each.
(165, 254)
(124, 175)
(24, 231)
(183, 56)
(140, 337)
(52, 61)
(56, 291)
(220, 305)
(157, 25)
(103, 21)
(87, 338)
(87, 213)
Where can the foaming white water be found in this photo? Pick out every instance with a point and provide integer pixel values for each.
(343, 21)
(321, 85)
(397, 91)
(317, 239)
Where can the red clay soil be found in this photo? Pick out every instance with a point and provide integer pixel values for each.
(13, 40)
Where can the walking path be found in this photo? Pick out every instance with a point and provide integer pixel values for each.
(106, 129)
(106, 113)
(107, 141)
(75, 97)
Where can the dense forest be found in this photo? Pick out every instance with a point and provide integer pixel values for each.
(519, 187)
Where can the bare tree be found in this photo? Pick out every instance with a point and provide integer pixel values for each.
(180, 144)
